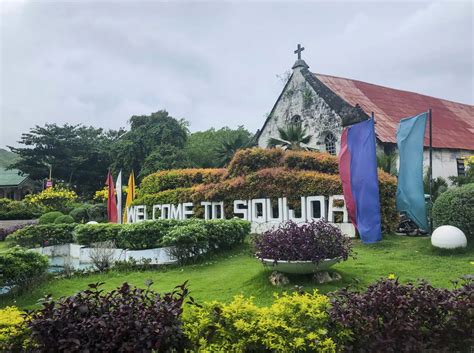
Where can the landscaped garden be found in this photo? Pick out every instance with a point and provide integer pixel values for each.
(215, 292)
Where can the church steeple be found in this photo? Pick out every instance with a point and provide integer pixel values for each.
(299, 62)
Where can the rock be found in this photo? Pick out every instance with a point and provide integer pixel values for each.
(448, 237)
(92, 222)
(322, 277)
(278, 279)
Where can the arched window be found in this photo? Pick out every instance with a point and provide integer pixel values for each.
(330, 143)
(296, 119)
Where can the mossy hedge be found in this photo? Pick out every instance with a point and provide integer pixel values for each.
(256, 173)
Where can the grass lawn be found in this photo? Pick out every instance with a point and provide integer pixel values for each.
(238, 272)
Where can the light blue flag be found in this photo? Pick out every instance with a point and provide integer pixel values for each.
(410, 193)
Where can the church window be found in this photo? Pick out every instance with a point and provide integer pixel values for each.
(296, 119)
(461, 167)
(330, 143)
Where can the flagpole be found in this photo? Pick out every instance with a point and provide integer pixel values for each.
(431, 169)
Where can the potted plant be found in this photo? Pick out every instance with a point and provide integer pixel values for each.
(302, 248)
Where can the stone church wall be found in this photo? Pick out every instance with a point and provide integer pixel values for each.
(299, 101)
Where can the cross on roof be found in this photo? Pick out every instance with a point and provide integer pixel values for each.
(299, 50)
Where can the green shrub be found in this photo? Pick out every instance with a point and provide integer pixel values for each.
(188, 241)
(10, 209)
(43, 235)
(179, 178)
(80, 214)
(50, 217)
(455, 207)
(253, 159)
(146, 235)
(293, 323)
(87, 234)
(64, 219)
(98, 213)
(20, 267)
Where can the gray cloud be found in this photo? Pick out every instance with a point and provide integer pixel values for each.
(215, 64)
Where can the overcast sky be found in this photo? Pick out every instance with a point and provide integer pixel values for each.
(215, 63)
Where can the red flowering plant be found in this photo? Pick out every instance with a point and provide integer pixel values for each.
(314, 241)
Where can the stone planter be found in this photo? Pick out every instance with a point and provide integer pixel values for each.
(299, 267)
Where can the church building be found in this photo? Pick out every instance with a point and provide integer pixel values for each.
(324, 105)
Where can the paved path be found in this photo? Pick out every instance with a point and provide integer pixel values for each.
(9, 223)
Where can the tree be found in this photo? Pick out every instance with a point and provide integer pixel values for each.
(147, 133)
(164, 157)
(77, 155)
(204, 148)
(293, 137)
(387, 161)
(226, 150)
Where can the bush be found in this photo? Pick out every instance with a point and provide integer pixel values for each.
(98, 213)
(179, 178)
(20, 267)
(455, 207)
(64, 219)
(218, 234)
(4, 232)
(253, 159)
(54, 198)
(10, 209)
(80, 214)
(273, 183)
(50, 217)
(188, 241)
(127, 319)
(13, 332)
(314, 241)
(136, 236)
(406, 318)
(293, 323)
(43, 235)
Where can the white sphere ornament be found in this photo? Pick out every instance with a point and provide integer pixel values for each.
(448, 237)
(92, 222)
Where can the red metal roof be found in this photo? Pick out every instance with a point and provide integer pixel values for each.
(453, 123)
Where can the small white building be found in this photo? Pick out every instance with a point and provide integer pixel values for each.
(325, 104)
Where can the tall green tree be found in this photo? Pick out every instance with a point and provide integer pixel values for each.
(211, 148)
(146, 134)
(77, 155)
(293, 137)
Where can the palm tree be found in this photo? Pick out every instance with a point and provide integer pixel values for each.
(387, 162)
(291, 138)
(226, 150)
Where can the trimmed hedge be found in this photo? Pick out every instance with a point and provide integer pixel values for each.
(20, 267)
(50, 217)
(43, 235)
(273, 183)
(254, 159)
(64, 219)
(137, 236)
(179, 178)
(216, 234)
(455, 207)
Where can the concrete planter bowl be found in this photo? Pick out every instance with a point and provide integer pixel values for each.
(299, 267)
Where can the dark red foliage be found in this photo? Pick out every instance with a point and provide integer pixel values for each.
(393, 317)
(314, 241)
(128, 319)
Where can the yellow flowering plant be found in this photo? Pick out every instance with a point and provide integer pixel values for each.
(295, 322)
(13, 333)
(54, 198)
(102, 195)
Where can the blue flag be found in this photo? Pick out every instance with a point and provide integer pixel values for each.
(364, 184)
(410, 192)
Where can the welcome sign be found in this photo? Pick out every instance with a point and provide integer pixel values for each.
(263, 213)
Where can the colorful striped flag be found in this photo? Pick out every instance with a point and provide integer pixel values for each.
(358, 172)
